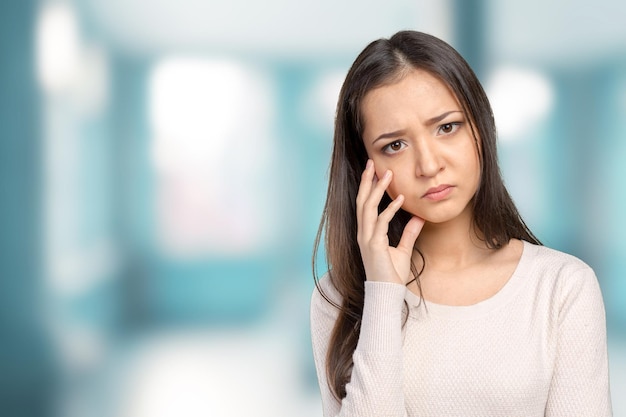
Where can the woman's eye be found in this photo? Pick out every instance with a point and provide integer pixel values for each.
(393, 147)
(448, 128)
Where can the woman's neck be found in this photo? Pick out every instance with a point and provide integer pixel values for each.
(451, 245)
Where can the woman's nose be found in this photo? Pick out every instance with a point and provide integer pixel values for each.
(428, 161)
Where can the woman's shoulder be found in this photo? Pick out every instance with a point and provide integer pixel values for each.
(554, 260)
(558, 269)
(325, 298)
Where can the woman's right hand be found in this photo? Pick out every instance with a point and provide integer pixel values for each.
(383, 262)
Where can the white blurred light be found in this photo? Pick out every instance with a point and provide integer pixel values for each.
(193, 108)
(92, 84)
(321, 104)
(225, 373)
(520, 99)
(58, 46)
(212, 153)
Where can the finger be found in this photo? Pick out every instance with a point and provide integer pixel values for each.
(410, 233)
(366, 180)
(365, 186)
(379, 189)
(382, 225)
(365, 221)
(370, 205)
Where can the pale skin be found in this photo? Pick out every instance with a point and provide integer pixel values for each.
(423, 154)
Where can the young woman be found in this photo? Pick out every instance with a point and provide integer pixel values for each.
(439, 301)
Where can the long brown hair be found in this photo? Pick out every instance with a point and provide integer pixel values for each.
(494, 214)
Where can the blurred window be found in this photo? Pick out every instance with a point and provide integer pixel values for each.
(212, 151)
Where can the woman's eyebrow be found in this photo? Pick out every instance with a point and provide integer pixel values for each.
(442, 116)
(389, 135)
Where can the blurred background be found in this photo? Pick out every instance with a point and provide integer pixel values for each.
(162, 174)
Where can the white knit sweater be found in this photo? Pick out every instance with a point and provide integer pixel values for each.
(536, 348)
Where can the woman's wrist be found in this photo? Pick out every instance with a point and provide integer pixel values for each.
(382, 317)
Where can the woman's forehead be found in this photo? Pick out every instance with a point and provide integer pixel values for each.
(418, 94)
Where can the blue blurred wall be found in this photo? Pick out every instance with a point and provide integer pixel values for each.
(577, 189)
(26, 368)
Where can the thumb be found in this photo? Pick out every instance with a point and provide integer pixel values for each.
(410, 233)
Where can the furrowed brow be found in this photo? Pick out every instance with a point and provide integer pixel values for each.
(389, 135)
(442, 116)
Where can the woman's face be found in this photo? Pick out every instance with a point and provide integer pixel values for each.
(417, 129)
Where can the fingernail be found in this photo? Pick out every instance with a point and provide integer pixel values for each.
(387, 174)
(369, 164)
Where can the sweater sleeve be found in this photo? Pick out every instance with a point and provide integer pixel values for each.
(580, 382)
(376, 385)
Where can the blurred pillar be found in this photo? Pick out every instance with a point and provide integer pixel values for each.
(25, 365)
(470, 30)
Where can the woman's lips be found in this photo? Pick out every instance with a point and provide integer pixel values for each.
(438, 193)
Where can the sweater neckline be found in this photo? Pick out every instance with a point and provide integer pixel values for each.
(506, 293)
